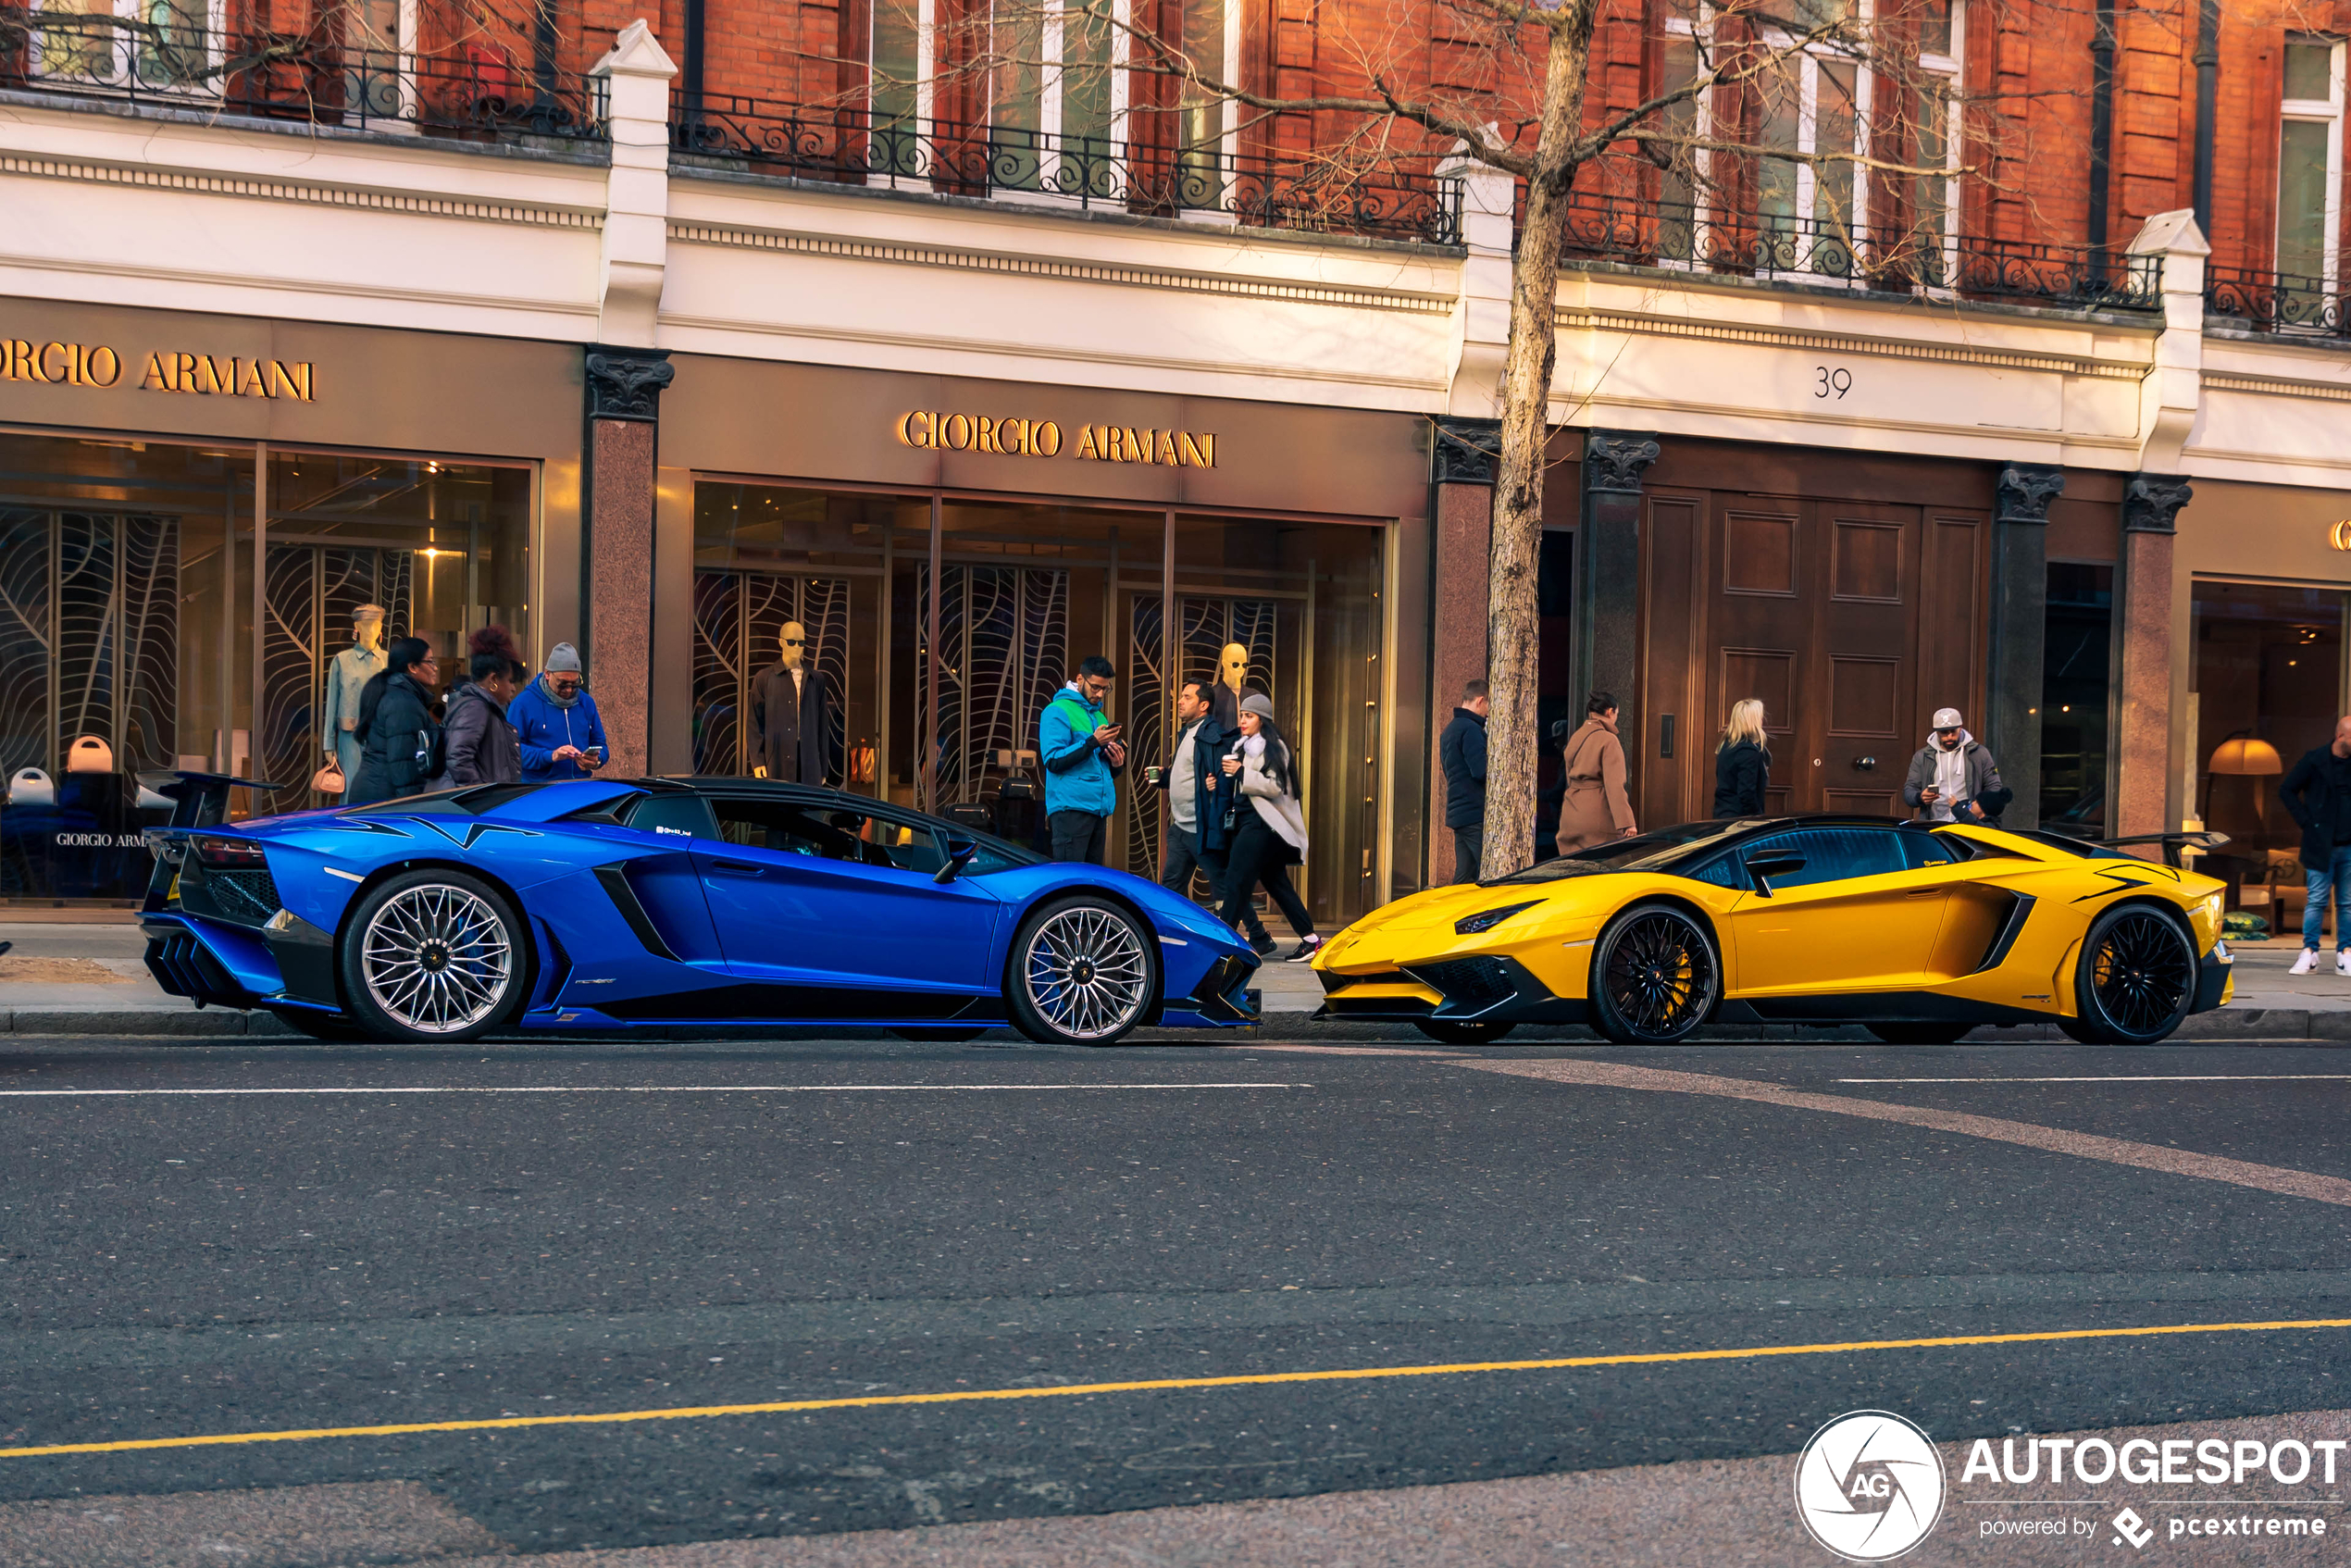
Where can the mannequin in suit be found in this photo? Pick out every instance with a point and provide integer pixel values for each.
(791, 706)
(347, 673)
(1225, 702)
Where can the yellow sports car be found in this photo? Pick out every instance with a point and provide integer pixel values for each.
(1917, 931)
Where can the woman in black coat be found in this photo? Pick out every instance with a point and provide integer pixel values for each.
(1742, 762)
(395, 725)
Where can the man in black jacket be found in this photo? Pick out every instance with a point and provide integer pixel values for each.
(1461, 751)
(1198, 792)
(2318, 792)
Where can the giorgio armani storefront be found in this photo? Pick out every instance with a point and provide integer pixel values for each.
(191, 509)
(951, 547)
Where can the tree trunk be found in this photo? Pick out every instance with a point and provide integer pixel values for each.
(1513, 740)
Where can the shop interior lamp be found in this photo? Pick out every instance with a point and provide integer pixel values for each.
(2243, 754)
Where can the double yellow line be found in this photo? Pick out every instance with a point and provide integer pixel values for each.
(1158, 1385)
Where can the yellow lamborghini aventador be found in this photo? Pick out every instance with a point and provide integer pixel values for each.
(1918, 932)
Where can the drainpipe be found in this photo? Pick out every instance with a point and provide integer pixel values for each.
(691, 79)
(2207, 102)
(2101, 128)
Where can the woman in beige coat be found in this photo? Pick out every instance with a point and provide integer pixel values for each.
(1595, 810)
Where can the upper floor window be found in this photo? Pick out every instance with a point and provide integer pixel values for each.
(2310, 160)
(171, 45)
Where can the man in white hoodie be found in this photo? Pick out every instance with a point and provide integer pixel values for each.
(1954, 777)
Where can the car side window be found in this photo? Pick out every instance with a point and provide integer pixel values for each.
(1836, 854)
(1923, 849)
(829, 833)
(1723, 871)
(674, 816)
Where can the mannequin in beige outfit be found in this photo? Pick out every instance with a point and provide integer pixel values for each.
(1596, 809)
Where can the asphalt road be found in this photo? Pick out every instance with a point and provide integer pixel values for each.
(670, 1227)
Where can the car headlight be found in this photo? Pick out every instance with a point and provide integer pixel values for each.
(2210, 904)
(1487, 919)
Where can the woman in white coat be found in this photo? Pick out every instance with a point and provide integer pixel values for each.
(1269, 825)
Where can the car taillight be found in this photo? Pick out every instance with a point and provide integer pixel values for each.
(231, 854)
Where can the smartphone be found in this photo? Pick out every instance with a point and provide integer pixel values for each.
(593, 753)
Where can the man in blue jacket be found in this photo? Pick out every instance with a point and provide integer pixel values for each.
(1082, 755)
(556, 723)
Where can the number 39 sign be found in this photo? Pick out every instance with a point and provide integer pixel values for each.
(1834, 380)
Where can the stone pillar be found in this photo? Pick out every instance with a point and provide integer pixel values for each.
(1463, 462)
(2020, 631)
(1609, 579)
(616, 546)
(2142, 740)
(636, 228)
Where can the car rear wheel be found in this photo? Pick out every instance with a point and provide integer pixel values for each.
(1083, 972)
(1918, 1034)
(1462, 1031)
(2136, 979)
(1654, 975)
(432, 955)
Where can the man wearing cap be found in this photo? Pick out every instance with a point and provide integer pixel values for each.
(556, 724)
(1954, 778)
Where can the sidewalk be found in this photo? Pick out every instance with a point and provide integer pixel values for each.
(77, 979)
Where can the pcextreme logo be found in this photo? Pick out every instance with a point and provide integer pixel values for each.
(1868, 1486)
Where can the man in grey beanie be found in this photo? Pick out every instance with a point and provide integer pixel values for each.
(556, 723)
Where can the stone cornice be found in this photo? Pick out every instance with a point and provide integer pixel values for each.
(304, 193)
(2220, 380)
(1585, 320)
(1116, 274)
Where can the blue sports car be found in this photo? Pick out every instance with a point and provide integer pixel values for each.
(608, 904)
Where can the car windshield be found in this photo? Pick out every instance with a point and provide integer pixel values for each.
(1666, 849)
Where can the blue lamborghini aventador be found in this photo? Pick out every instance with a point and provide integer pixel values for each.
(604, 904)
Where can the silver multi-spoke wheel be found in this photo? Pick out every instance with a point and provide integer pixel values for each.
(1086, 972)
(437, 958)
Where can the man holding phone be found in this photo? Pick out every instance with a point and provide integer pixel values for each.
(556, 721)
(1082, 752)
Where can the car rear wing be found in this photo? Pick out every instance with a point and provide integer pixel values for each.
(201, 800)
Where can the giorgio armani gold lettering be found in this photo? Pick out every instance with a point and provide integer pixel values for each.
(204, 375)
(1007, 437)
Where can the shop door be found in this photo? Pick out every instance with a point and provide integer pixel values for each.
(1819, 609)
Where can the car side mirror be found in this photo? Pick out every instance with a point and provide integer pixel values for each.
(1764, 864)
(959, 854)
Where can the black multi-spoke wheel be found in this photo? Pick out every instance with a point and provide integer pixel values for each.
(432, 955)
(2137, 978)
(1654, 975)
(1918, 1034)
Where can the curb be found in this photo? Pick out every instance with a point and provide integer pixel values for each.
(2249, 1025)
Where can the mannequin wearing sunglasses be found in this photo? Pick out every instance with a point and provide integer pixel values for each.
(792, 707)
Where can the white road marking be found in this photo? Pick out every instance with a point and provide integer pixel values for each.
(2118, 1078)
(641, 1088)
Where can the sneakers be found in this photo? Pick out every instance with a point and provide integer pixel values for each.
(2342, 962)
(2307, 962)
(1261, 943)
(1309, 946)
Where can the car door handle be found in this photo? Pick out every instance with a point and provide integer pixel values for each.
(741, 867)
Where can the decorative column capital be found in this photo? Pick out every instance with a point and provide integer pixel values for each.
(625, 384)
(1466, 451)
(2151, 502)
(2025, 490)
(1614, 461)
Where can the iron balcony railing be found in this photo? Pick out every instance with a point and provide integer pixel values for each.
(2282, 302)
(857, 147)
(499, 82)
(1793, 248)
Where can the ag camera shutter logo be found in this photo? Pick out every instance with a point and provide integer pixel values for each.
(1868, 1486)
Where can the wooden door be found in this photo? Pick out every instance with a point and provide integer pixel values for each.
(1821, 609)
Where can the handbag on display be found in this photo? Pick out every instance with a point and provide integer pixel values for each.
(329, 780)
(89, 755)
(32, 787)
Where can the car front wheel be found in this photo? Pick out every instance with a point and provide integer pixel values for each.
(1654, 975)
(432, 955)
(1083, 972)
(2135, 980)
